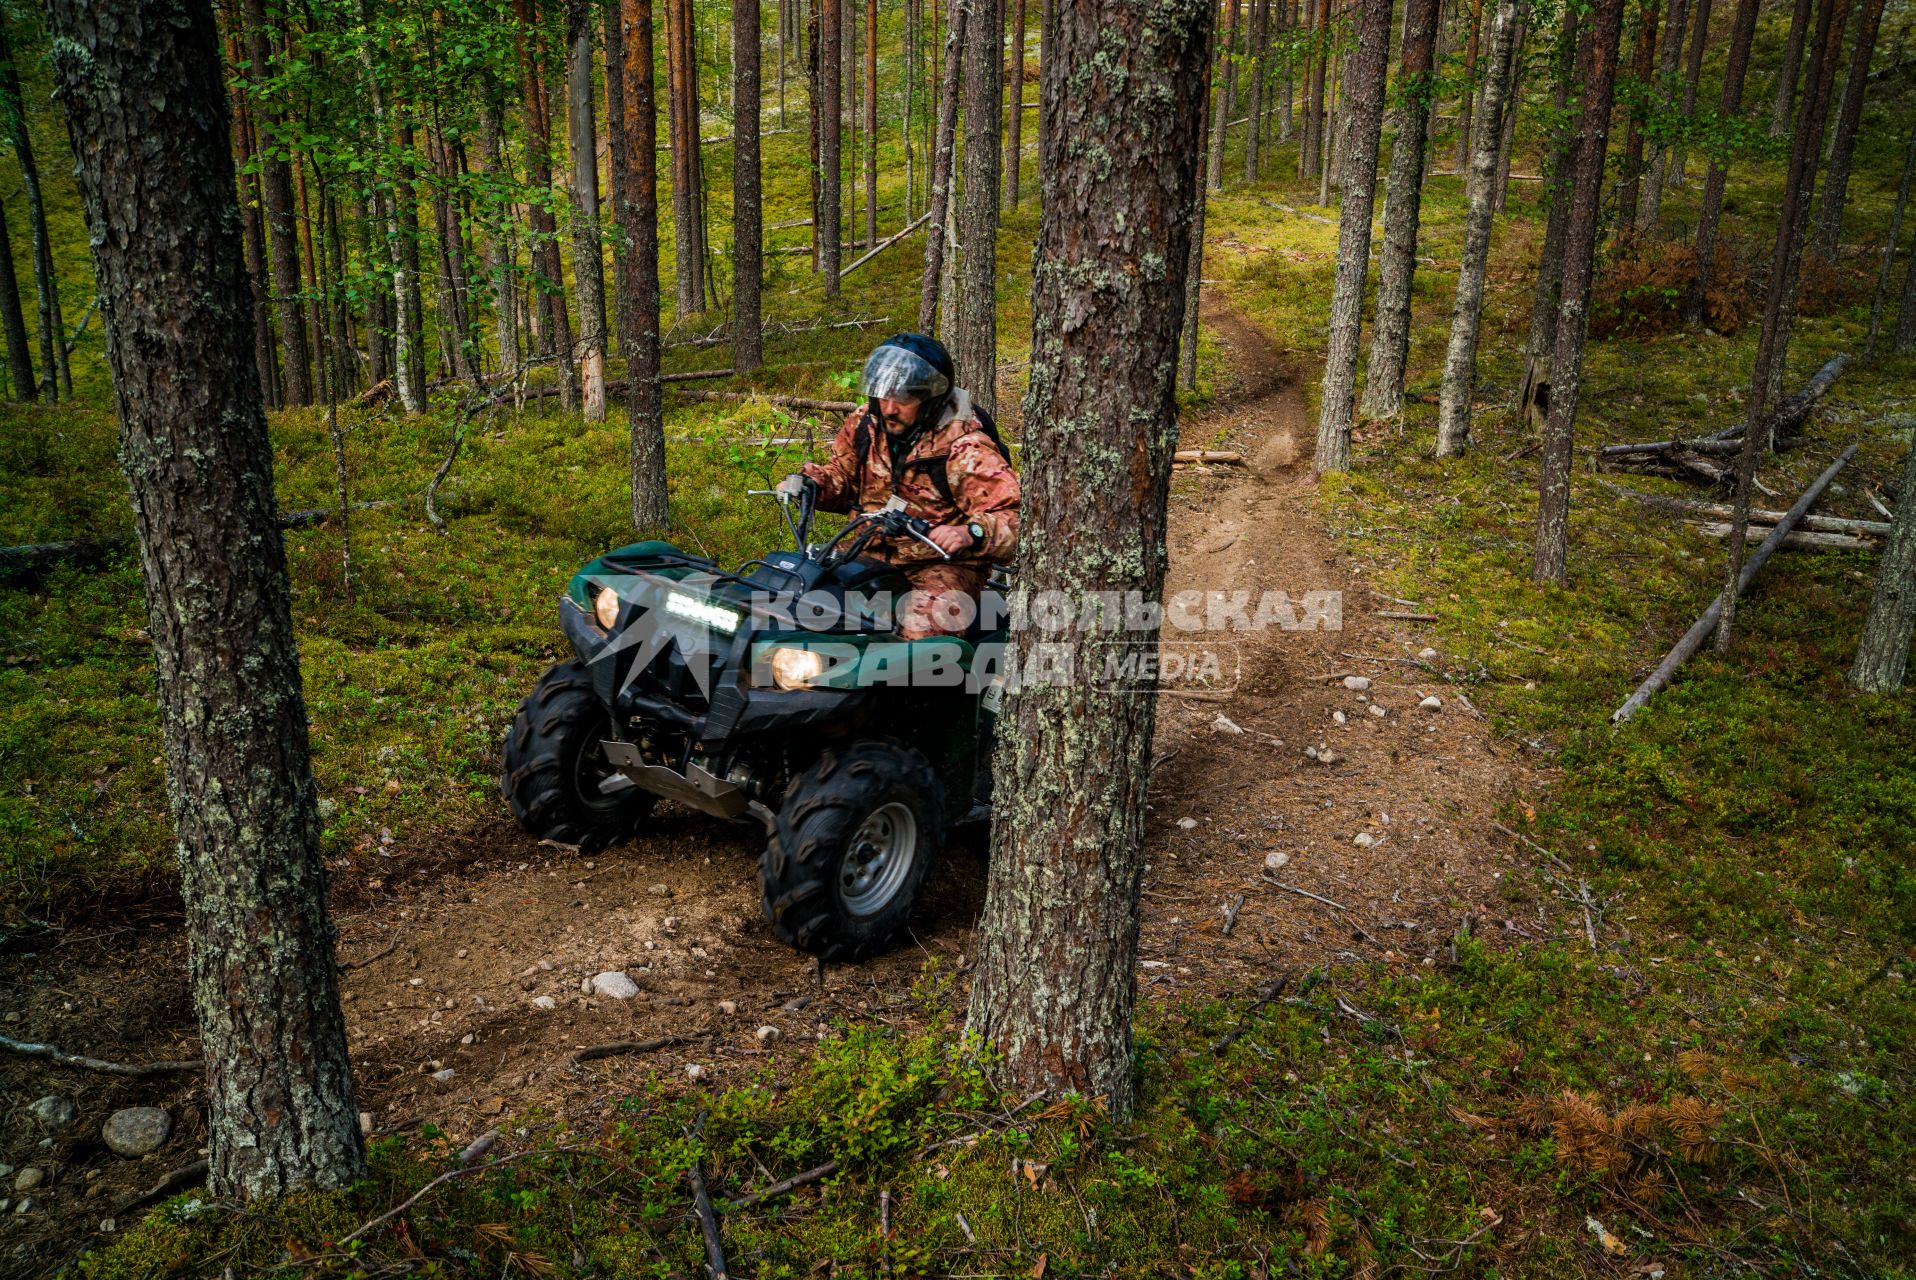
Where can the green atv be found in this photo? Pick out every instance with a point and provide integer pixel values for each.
(777, 693)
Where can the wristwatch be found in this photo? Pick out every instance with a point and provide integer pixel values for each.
(977, 532)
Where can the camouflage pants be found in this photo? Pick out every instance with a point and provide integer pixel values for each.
(942, 601)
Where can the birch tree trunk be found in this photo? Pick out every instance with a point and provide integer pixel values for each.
(937, 245)
(1736, 67)
(1882, 654)
(1055, 986)
(1460, 360)
(1550, 555)
(140, 82)
(505, 310)
(1403, 206)
(1364, 119)
(977, 352)
(1829, 211)
(588, 258)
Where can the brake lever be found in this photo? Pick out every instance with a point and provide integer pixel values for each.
(918, 529)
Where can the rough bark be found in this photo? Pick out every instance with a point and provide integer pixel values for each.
(1364, 116)
(1460, 359)
(1641, 68)
(408, 299)
(1221, 101)
(140, 83)
(1014, 125)
(936, 246)
(1889, 245)
(1194, 261)
(253, 237)
(505, 310)
(748, 214)
(871, 122)
(1882, 654)
(1260, 19)
(1055, 986)
(1735, 69)
(276, 175)
(1598, 78)
(1314, 140)
(1786, 75)
(826, 111)
(1661, 98)
(1792, 228)
(1403, 206)
(1533, 396)
(588, 255)
(1692, 73)
(639, 222)
(977, 350)
(19, 353)
(1829, 210)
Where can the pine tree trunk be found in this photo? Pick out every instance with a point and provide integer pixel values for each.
(409, 380)
(1787, 73)
(1460, 359)
(1882, 654)
(1640, 69)
(1315, 140)
(19, 353)
(1221, 102)
(1014, 126)
(639, 220)
(1829, 212)
(1055, 986)
(1692, 73)
(276, 175)
(1254, 126)
(505, 309)
(252, 236)
(1533, 396)
(748, 218)
(1660, 98)
(1194, 263)
(1364, 119)
(554, 329)
(1889, 247)
(1285, 24)
(1598, 78)
(141, 87)
(977, 352)
(871, 122)
(1467, 92)
(588, 255)
(45, 284)
(825, 110)
(1792, 229)
(1403, 206)
(1905, 338)
(310, 287)
(936, 247)
(1736, 67)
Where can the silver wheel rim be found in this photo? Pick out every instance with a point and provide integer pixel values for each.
(878, 859)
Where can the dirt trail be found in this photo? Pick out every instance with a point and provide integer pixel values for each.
(469, 954)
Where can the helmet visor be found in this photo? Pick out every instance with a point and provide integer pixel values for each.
(894, 373)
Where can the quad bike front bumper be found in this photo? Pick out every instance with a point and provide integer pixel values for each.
(696, 788)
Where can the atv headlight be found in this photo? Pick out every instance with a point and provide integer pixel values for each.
(796, 668)
(717, 617)
(605, 607)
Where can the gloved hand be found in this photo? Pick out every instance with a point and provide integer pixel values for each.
(793, 486)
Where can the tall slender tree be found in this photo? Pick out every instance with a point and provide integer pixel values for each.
(937, 246)
(1121, 86)
(1365, 114)
(1692, 75)
(548, 273)
(871, 122)
(825, 110)
(1736, 67)
(1641, 69)
(748, 214)
(1772, 345)
(252, 234)
(1533, 396)
(977, 353)
(1221, 103)
(1014, 122)
(682, 93)
(1467, 90)
(1882, 654)
(1789, 69)
(1835, 193)
(140, 82)
(639, 283)
(1598, 76)
(1460, 359)
(1403, 206)
(46, 281)
(19, 353)
(1890, 242)
(588, 259)
(1660, 99)
(276, 176)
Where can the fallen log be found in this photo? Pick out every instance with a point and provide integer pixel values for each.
(1785, 417)
(19, 563)
(789, 402)
(1800, 538)
(883, 245)
(1208, 455)
(618, 386)
(1723, 510)
(1693, 638)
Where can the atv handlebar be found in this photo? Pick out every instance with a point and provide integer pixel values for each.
(890, 520)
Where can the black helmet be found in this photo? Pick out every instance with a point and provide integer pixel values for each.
(909, 366)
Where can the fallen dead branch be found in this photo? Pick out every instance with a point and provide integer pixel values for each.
(178, 1180)
(1258, 1006)
(702, 1203)
(1799, 538)
(883, 245)
(1693, 638)
(789, 402)
(1780, 420)
(778, 1189)
(618, 1047)
(79, 1061)
(1723, 510)
(1225, 456)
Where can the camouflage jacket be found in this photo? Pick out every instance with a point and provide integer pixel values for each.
(979, 485)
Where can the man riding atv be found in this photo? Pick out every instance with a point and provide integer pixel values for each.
(920, 439)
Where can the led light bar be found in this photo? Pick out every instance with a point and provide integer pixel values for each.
(717, 617)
